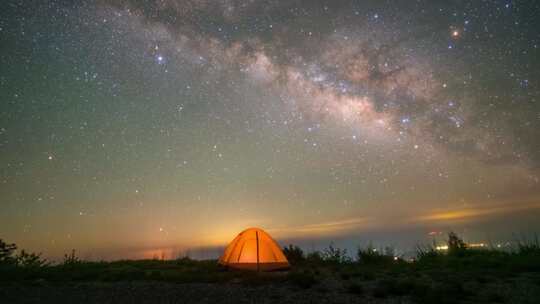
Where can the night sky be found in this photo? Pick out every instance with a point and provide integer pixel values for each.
(134, 127)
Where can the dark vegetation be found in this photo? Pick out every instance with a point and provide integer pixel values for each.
(457, 275)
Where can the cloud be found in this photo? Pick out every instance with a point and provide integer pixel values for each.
(322, 228)
(476, 213)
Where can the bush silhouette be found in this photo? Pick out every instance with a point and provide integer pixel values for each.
(26, 259)
(8, 256)
(7, 253)
(294, 254)
(456, 246)
(528, 247)
(335, 255)
(315, 257)
(370, 255)
(71, 259)
(426, 252)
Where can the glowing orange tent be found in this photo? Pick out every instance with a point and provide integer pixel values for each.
(254, 249)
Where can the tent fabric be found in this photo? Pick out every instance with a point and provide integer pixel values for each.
(254, 249)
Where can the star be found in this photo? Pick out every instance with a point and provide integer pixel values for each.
(186, 110)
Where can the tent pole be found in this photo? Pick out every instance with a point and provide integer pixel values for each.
(257, 239)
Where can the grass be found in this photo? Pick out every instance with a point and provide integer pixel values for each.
(302, 279)
(463, 275)
(356, 288)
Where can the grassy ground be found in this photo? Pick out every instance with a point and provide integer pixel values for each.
(461, 275)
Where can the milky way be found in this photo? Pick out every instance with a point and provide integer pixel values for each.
(134, 124)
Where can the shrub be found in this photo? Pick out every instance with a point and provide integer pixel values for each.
(427, 252)
(456, 246)
(7, 252)
(526, 247)
(185, 261)
(32, 260)
(335, 255)
(71, 259)
(315, 257)
(294, 254)
(9, 257)
(370, 255)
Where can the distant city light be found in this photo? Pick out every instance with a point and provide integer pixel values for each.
(443, 247)
(476, 245)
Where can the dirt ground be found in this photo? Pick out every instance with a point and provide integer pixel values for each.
(158, 292)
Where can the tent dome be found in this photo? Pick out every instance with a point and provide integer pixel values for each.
(254, 249)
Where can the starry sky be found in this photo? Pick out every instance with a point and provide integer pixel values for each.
(130, 128)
